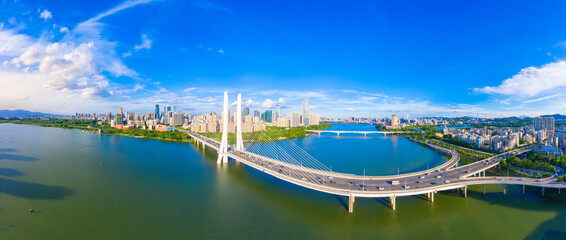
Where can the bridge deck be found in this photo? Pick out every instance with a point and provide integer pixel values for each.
(434, 180)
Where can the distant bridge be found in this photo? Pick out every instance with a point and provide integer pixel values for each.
(286, 161)
(365, 133)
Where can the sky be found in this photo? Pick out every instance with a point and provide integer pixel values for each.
(361, 59)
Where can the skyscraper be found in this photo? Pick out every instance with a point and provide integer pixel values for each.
(156, 111)
(295, 119)
(306, 112)
(256, 113)
(245, 111)
(277, 109)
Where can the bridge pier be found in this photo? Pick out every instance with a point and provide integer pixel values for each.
(338, 134)
(392, 200)
(484, 189)
(543, 191)
(465, 188)
(523, 189)
(558, 191)
(432, 197)
(351, 200)
(504, 188)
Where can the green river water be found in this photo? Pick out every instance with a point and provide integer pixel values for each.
(149, 189)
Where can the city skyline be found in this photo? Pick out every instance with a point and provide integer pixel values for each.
(365, 60)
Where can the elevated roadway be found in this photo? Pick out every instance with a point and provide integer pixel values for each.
(444, 177)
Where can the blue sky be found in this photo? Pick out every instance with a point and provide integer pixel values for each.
(368, 59)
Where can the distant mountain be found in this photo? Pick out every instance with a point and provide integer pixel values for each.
(24, 113)
(556, 116)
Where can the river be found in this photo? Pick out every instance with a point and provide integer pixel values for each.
(149, 189)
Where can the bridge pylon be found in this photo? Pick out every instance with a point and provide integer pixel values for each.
(239, 141)
(222, 156)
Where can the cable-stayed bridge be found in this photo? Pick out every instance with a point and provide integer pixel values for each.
(270, 152)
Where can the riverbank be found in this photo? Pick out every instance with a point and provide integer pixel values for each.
(90, 126)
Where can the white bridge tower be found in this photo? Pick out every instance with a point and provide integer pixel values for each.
(223, 150)
(222, 156)
(239, 141)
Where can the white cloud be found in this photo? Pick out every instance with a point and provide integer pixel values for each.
(64, 30)
(12, 44)
(268, 103)
(220, 51)
(349, 109)
(542, 98)
(146, 43)
(189, 90)
(532, 81)
(45, 15)
(124, 5)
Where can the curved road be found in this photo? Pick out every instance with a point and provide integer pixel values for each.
(429, 182)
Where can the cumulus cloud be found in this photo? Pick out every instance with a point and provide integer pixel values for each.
(145, 44)
(220, 51)
(531, 81)
(268, 103)
(45, 15)
(78, 64)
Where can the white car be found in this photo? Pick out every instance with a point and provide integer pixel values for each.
(380, 188)
(422, 177)
(446, 181)
(406, 186)
(304, 179)
(438, 176)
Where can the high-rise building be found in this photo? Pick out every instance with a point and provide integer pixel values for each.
(306, 112)
(256, 113)
(109, 116)
(543, 123)
(245, 111)
(277, 111)
(395, 122)
(156, 111)
(295, 119)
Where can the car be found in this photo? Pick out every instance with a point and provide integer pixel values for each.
(428, 173)
(380, 188)
(538, 180)
(317, 177)
(333, 182)
(432, 183)
(446, 181)
(353, 183)
(438, 176)
(394, 182)
(406, 187)
(520, 179)
(330, 177)
(419, 182)
(303, 178)
(422, 177)
(363, 186)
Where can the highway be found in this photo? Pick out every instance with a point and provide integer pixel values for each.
(350, 185)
